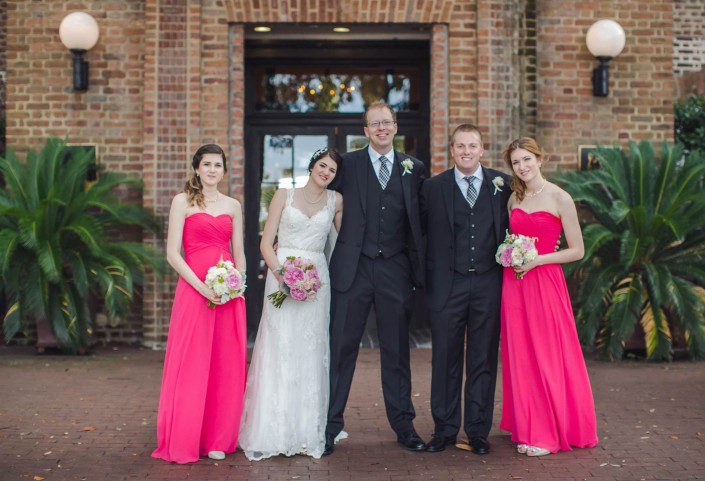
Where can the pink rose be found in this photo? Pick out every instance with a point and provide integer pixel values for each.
(298, 294)
(291, 277)
(506, 258)
(233, 281)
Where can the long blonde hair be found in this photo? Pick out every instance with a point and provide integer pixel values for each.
(194, 187)
(526, 143)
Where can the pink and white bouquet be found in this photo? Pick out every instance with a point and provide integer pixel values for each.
(516, 250)
(226, 281)
(300, 281)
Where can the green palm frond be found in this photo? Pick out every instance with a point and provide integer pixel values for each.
(56, 246)
(645, 252)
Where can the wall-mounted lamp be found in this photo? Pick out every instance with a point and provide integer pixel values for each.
(79, 33)
(605, 40)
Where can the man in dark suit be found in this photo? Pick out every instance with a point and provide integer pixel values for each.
(464, 211)
(378, 259)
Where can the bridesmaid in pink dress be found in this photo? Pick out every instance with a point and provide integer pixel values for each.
(204, 369)
(547, 400)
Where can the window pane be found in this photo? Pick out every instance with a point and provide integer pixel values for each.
(293, 89)
(285, 164)
(402, 143)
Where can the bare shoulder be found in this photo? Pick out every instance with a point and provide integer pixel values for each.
(338, 198)
(180, 200)
(512, 201)
(234, 206)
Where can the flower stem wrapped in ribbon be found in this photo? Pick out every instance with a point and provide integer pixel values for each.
(226, 281)
(516, 250)
(300, 281)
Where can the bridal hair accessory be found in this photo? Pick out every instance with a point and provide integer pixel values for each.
(408, 165)
(320, 153)
(497, 182)
(301, 281)
(226, 281)
(516, 250)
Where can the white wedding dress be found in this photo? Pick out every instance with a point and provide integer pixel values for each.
(286, 399)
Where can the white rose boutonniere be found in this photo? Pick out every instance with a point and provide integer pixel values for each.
(497, 182)
(408, 165)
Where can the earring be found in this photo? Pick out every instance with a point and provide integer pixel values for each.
(197, 174)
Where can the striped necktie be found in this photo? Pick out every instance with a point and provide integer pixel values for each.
(471, 194)
(383, 172)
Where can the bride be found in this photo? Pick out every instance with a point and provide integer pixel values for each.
(286, 398)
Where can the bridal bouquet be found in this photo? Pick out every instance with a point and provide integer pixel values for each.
(301, 281)
(516, 250)
(226, 281)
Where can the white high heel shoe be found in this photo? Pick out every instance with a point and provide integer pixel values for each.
(521, 448)
(217, 455)
(535, 451)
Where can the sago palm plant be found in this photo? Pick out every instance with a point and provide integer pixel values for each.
(57, 243)
(645, 251)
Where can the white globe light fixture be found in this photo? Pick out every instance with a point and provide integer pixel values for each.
(79, 33)
(605, 39)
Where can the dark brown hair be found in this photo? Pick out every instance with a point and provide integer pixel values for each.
(194, 187)
(332, 153)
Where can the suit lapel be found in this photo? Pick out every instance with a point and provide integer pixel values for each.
(361, 165)
(449, 186)
(406, 180)
(494, 203)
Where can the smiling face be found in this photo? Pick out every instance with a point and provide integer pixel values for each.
(380, 128)
(323, 171)
(211, 169)
(466, 151)
(525, 164)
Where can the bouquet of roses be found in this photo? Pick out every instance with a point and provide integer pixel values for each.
(226, 281)
(301, 281)
(516, 250)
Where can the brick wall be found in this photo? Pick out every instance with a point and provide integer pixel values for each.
(167, 76)
(640, 103)
(3, 68)
(689, 47)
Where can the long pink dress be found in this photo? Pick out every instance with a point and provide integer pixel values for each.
(204, 370)
(547, 399)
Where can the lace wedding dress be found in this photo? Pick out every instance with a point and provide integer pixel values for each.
(286, 399)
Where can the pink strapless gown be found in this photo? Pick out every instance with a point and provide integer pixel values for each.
(547, 399)
(204, 368)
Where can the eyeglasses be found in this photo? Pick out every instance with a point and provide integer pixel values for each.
(375, 124)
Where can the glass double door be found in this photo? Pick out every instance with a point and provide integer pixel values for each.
(278, 157)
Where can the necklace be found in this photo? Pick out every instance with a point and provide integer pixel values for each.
(538, 191)
(217, 195)
(317, 200)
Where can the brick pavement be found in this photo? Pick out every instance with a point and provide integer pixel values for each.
(93, 418)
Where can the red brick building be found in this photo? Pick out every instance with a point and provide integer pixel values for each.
(169, 75)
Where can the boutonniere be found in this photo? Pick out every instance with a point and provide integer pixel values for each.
(408, 165)
(497, 182)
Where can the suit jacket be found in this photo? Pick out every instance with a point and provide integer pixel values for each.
(437, 214)
(353, 186)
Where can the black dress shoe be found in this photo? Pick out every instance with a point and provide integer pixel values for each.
(479, 445)
(330, 445)
(438, 443)
(411, 441)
